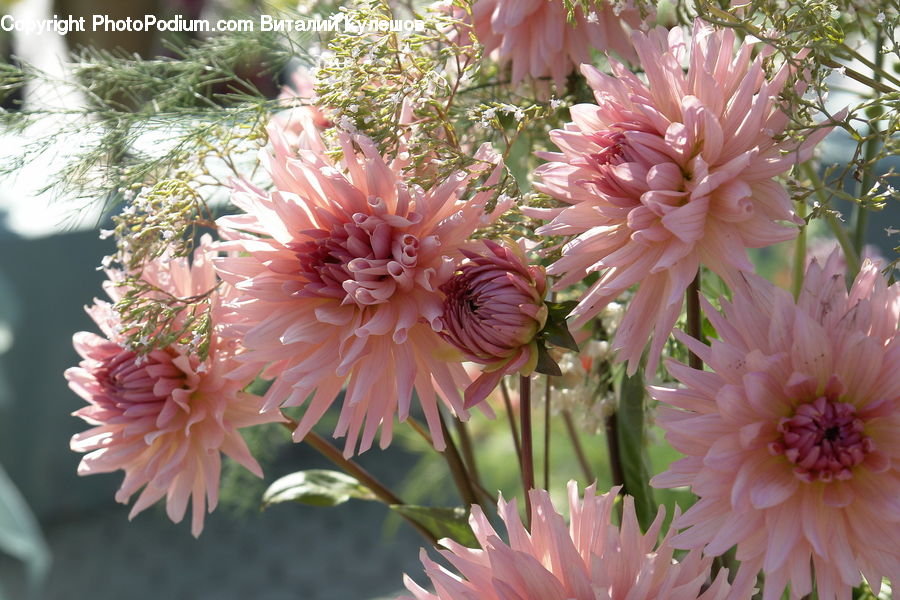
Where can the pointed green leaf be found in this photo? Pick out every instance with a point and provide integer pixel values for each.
(561, 310)
(632, 445)
(545, 363)
(555, 329)
(317, 487)
(558, 335)
(20, 534)
(441, 522)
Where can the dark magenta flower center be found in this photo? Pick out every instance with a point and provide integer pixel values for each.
(365, 260)
(824, 439)
(613, 146)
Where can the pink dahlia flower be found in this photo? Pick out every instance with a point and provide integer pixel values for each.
(298, 126)
(340, 284)
(164, 418)
(791, 441)
(590, 559)
(536, 37)
(493, 310)
(666, 174)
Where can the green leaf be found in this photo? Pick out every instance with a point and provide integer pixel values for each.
(545, 363)
(632, 446)
(20, 535)
(317, 487)
(555, 329)
(561, 310)
(441, 522)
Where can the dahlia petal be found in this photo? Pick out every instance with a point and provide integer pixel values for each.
(772, 486)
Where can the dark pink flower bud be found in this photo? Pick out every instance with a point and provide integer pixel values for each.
(493, 310)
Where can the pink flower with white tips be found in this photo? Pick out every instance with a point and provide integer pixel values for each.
(667, 174)
(537, 39)
(590, 559)
(339, 284)
(791, 441)
(164, 418)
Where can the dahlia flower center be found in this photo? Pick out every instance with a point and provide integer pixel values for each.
(613, 147)
(824, 439)
(364, 261)
(129, 379)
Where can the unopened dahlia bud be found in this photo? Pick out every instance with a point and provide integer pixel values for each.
(493, 310)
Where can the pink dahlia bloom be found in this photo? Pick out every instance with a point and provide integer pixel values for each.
(339, 283)
(164, 418)
(298, 126)
(590, 559)
(493, 310)
(791, 441)
(665, 174)
(536, 37)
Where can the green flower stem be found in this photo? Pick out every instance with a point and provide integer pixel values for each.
(577, 447)
(547, 433)
(461, 477)
(513, 428)
(468, 453)
(527, 464)
(464, 484)
(861, 215)
(877, 67)
(850, 255)
(799, 253)
(611, 426)
(327, 449)
(694, 323)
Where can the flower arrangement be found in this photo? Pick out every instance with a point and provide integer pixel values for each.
(577, 196)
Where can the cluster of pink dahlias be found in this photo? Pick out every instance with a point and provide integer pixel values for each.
(349, 286)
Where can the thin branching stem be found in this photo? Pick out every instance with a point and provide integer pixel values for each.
(423, 433)
(578, 447)
(850, 255)
(513, 428)
(468, 451)
(461, 476)
(799, 266)
(872, 145)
